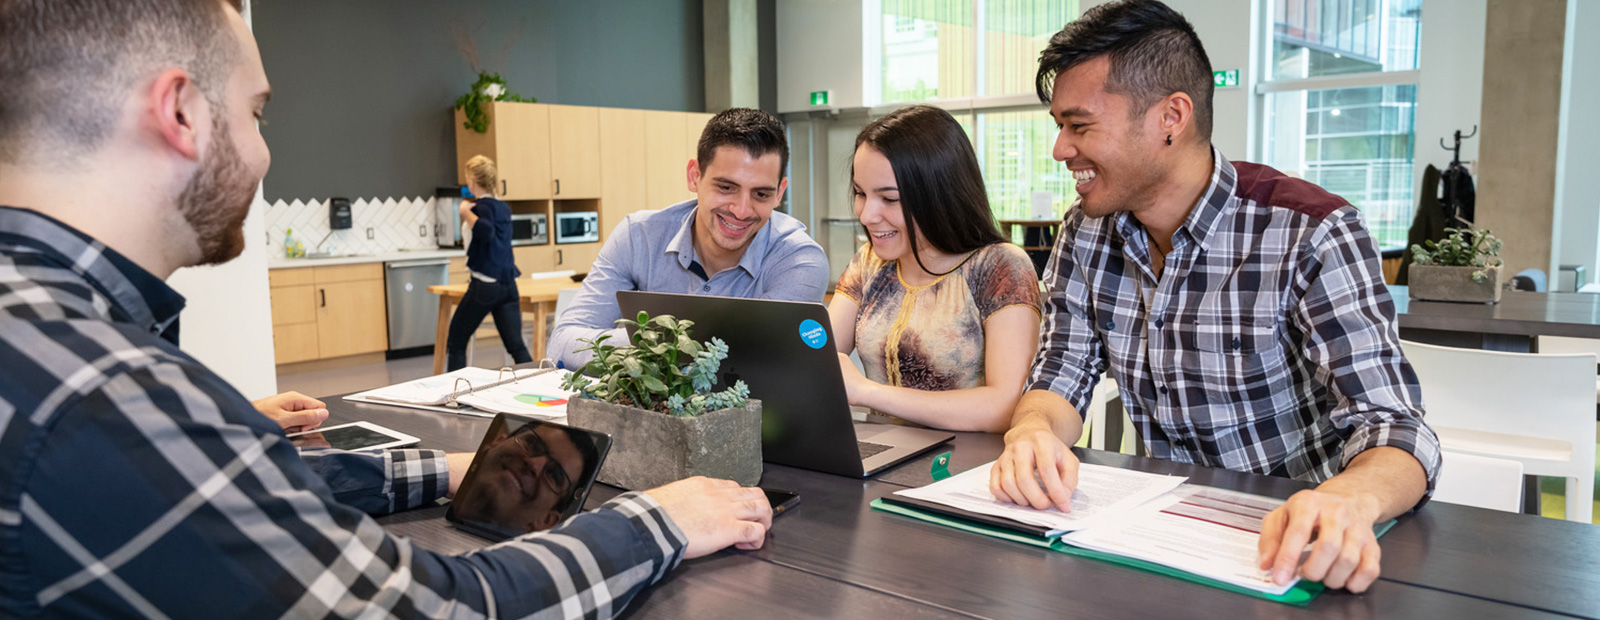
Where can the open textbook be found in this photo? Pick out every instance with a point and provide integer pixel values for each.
(480, 391)
(1201, 530)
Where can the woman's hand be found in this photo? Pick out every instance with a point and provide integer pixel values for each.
(857, 386)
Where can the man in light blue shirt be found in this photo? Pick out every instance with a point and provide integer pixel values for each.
(726, 242)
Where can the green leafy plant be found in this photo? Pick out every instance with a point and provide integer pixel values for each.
(489, 88)
(1461, 247)
(662, 370)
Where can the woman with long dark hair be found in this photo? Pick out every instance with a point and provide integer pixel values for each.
(942, 309)
(493, 287)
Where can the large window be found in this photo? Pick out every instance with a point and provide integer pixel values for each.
(1340, 103)
(985, 52)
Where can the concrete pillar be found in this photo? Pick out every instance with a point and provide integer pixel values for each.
(1521, 108)
(733, 55)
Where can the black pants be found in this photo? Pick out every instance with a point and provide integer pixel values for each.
(484, 298)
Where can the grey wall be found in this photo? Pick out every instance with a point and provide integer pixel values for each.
(362, 89)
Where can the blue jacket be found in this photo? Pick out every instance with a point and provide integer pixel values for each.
(490, 251)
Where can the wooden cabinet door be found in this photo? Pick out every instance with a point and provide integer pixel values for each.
(351, 318)
(574, 151)
(522, 141)
(578, 257)
(294, 343)
(694, 124)
(532, 259)
(623, 185)
(294, 304)
(470, 143)
(666, 160)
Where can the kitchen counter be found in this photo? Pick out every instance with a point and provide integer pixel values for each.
(398, 255)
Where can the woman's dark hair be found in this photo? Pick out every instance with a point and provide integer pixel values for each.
(941, 187)
(1154, 52)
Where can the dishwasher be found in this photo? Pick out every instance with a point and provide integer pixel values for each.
(413, 311)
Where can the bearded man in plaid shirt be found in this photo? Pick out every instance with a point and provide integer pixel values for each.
(135, 482)
(1242, 312)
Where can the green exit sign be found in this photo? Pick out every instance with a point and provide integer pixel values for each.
(1222, 79)
(820, 97)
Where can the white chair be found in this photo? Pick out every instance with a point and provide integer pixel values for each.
(1537, 409)
(1094, 435)
(1561, 344)
(1472, 480)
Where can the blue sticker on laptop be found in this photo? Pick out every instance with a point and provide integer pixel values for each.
(813, 334)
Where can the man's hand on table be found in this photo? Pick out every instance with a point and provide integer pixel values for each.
(714, 513)
(294, 412)
(1344, 551)
(1034, 456)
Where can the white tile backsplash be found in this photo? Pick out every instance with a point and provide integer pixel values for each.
(404, 224)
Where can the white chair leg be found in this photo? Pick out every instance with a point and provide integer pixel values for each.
(1580, 500)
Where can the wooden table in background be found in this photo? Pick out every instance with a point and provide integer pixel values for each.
(538, 298)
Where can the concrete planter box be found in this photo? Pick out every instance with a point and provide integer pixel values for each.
(1442, 283)
(650, 449)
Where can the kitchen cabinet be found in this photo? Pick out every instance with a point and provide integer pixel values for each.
(622, 180)
(326, 312)
(574, 152)
(666, 159)
(578, 257)
(518, 140)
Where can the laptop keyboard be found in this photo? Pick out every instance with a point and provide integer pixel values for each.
(870, 449)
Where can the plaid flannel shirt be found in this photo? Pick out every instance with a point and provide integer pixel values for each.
(135, 482)
(1268, 345)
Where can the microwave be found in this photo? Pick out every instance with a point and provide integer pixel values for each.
(577, 227)
(529, 229)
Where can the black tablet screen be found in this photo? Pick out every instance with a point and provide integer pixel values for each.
(527, 476)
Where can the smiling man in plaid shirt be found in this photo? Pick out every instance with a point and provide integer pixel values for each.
(134, 481)
(1242, 312)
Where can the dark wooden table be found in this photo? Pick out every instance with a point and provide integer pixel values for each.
(834, 557)
(1511, 325)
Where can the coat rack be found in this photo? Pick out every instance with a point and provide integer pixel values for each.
(1455, 152)
(1452, 201)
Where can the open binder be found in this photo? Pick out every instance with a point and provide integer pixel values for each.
(480, 391)
(1186, 532)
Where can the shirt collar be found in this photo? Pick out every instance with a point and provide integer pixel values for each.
(1203, 217)
(682, 243)
(1214, 203)
(137, 296)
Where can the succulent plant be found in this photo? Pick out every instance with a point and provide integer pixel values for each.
(1461, 247)
(663, 369)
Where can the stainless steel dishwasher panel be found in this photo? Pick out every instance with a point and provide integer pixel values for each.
(413, 311)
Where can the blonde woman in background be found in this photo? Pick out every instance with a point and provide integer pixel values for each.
(493, 287)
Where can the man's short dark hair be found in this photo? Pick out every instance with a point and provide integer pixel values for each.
(757, 132)
(1154, 52)
(67, 66)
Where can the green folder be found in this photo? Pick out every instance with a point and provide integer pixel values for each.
(1299, 595)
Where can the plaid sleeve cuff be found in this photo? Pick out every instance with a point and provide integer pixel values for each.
(416, 478)
(1413, 437)
(650, 519)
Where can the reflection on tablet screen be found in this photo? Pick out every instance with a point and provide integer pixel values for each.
(343, 438)
(527, 476)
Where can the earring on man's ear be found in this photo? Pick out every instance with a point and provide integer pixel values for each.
(1169, 139)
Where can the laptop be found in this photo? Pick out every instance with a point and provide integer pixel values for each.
(784, 351)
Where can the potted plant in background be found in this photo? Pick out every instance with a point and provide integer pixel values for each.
(1464, 266)
(489, 88)
(654, 398)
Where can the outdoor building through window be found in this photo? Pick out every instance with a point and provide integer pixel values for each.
(986, 53)
(1340, 101)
